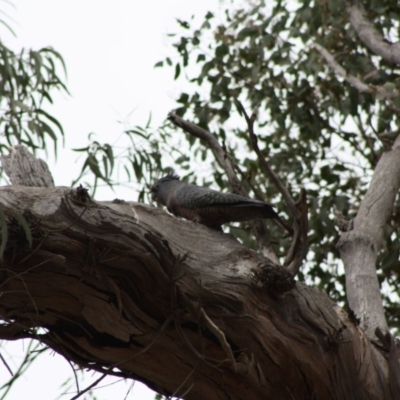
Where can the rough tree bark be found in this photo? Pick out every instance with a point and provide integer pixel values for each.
(128, 290)
(360, 245)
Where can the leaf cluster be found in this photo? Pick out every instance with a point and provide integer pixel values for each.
(27, 81)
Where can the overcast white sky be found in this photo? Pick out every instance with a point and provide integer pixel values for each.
(110, 49)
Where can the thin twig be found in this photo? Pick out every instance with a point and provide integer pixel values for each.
(164, 325)
(91, 386)
(367, 141)
(254, 189)
(200, 356)
(184, 381)
(264, 164)
(220, 336)
(129, 390)
(299, 245)
(75, 376)
(6, 365)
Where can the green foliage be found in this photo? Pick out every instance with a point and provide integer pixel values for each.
(99, 162)
(316, 130)
(137, 160)
(27, 80)
(34, 350)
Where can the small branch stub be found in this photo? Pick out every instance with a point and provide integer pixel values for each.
(24, 169)
(274, 279)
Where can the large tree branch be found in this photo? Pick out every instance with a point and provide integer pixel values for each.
(369, 35)
(359, 247)
(126, 289)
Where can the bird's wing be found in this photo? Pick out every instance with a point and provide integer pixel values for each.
(198, 197)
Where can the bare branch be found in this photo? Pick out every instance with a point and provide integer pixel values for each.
(299, 245)
(360, 246)
(221, 155)
(220, 336)
(91, 386)
(6, 365)
(264, 164)
(369, 35)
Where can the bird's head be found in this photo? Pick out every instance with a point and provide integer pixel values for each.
(159, 190)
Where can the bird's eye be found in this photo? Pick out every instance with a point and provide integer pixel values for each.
(153, 191)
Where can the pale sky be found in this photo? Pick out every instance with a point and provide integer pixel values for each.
(110, 49)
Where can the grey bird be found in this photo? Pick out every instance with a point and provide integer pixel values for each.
(207, 206)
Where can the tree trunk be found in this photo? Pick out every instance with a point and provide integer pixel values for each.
(126, 289)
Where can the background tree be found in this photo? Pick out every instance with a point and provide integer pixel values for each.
(326, 104)
(306, 93)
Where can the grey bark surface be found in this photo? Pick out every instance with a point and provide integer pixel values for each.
(126, 289)
(24, 169)
(360, 246)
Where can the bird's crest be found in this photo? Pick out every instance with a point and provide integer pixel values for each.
(172, 175)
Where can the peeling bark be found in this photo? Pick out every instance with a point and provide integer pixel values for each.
(128, 290)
